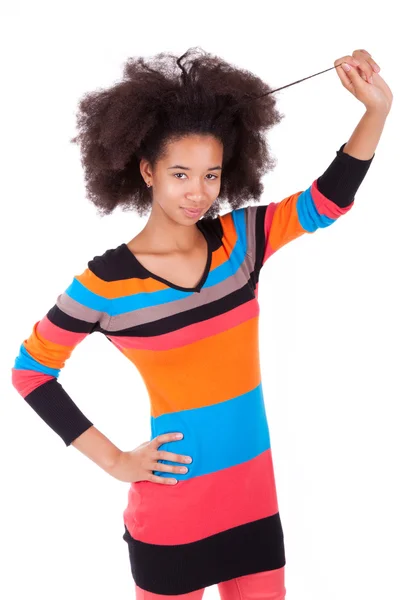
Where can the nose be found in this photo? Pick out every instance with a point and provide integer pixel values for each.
(196, 194)
(195, 199)
(196, 189)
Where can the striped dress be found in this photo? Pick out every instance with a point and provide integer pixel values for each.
(197, 350)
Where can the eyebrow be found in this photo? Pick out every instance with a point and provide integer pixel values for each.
(188, 169)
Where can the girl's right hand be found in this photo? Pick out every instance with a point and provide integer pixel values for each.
(138, 464)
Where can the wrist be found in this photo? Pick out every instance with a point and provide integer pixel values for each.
(380, 113)
(112, 461)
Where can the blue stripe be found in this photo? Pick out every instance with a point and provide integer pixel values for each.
(212, 444)
(25, 361)
(239, 220)
(77, 291)
(309, 217)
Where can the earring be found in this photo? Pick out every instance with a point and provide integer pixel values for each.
(149, 185)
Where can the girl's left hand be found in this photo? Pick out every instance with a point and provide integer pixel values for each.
(364, 82)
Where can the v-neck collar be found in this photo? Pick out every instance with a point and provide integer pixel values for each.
(170, 284)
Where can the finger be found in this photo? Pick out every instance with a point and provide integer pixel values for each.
(165, 455)
(346, 81)
(361, 53)
(375, 67)
(159, 466)
(366, 70)
(355, 80)
(370, 61)
(348, 59)
(364, 55)
(165, 437)
(163, 480)
(351, 79)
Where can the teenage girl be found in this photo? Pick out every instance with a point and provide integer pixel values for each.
(174, 139)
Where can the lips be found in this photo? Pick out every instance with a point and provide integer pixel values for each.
(191, 212)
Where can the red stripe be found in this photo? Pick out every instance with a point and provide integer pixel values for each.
(160, 513)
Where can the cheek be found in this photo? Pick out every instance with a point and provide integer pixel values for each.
(170, 196)
(172, 191)
(171, 188)
(167, 191)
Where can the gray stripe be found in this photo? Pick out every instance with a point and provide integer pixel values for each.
(207, 294)
(251, 232)
(79, 311)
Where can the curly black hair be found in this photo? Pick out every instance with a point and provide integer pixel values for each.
(160, 100)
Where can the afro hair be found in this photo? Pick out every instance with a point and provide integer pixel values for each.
(165, 98)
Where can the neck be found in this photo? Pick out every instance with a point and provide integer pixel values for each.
(163, 234)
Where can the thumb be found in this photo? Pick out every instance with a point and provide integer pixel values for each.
(352, 77)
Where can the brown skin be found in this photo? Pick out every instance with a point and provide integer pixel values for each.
(170, 245)
(138, 464)
(132, 465)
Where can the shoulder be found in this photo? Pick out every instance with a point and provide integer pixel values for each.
(113, 264)
(239, 222)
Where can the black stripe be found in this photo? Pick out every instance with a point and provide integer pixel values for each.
(191, 316)
(61, 319)
(260, 240)
(117, 263)
(180, 569)
(52, 403)
(343, 177)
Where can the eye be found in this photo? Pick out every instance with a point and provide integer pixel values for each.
(212, 175)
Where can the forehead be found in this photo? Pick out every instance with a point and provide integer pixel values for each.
(199, 149)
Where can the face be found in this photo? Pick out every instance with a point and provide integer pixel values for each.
(188, 179)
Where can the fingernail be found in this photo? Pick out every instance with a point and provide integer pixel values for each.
(357, 62)
(376, 69)
(178, 436)
(346, 67)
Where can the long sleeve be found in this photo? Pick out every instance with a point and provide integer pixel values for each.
(264, 229)
(79, 311)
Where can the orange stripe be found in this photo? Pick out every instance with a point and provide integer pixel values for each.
(94, 283)
(203, 373)
(229, 239)
(45, 352)
(285, 224)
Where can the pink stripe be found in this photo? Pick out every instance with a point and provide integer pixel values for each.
(191, 333)
(265, 585)
(325, 206)
(154, 512)
(58, 335)
(25, 381)
(262, 585)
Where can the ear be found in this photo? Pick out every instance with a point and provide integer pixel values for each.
(145, 169)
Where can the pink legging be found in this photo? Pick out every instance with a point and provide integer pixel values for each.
(267, 585)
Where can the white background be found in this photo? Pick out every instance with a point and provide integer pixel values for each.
(329, 302)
